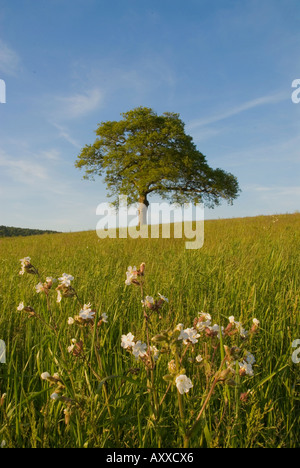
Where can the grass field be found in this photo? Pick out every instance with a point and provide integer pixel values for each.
(248, 268)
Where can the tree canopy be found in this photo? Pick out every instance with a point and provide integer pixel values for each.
(145, 153)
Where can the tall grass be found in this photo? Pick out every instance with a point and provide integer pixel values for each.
(247, 268)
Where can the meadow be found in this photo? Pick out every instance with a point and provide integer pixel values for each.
(93, 392)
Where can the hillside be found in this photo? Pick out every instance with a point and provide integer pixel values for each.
(9, 231)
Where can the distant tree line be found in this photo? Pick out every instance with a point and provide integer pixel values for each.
(7, 231)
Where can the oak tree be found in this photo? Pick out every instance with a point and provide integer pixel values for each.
(145, 153)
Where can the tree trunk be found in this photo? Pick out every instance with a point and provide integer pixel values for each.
(142, 210)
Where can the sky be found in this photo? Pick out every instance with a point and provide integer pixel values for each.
(227, 68)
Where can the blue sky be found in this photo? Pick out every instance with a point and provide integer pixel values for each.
(226, 67)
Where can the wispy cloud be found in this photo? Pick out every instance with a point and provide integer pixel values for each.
(9, 59)
(65, 134)
(275, 191)
(79, 105)
(272, 99)
(22, 170)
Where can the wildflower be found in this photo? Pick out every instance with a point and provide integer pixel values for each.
(215, 330)
(199, 358)
(204, 317)
(24, 263)
(182, 335)
(250, 359)
(183, 383)
(39, 288)
(255, 325)
(55, 396)
(20, 306)
(64, 289)
(163, 297)
(139, 349)
(50, 280)
(237, 328)
(45, 376)
(72, 346)
(243, 332)
(245, 369)
(76, 347)
(65, 279)
(70, 321)
(192, 335)
(131, 274)
(148, 302)
(202, 322)
(104, 317)
(127, 341)
(87, 313)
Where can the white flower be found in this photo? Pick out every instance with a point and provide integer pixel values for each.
(39, 288)
(217, 329)
(70, 321)
(139, 349)
(54, 396)
(203, 316)
(131, 274)
(199, 358)
(163, 297)
(204, 321)
(70, 348)
(243, 333)
(20, 306)
(148, 300)
(256, 322)
(24, 261)
(183, 383)
(250, 359)
(183, 335)
(192, 335)
(246, 368)
(50, 280)
(127, 341)
(66, 279)
(87, 313)
(45, 375)
(104, 317)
